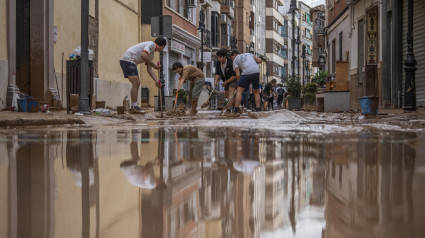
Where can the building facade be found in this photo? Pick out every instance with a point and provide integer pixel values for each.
(319, 53)
(274, 40)
(306, 42)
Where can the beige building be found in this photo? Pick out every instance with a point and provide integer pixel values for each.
(36, 54)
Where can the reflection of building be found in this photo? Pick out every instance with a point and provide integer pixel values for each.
(274, 195)
(369, 190)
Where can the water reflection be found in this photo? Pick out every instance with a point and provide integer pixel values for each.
(210, 182)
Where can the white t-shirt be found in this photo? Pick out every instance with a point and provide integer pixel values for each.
(246, 63)
(134, 53)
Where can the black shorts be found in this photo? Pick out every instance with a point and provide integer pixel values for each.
(246, 80)
(129, 69)
(233, 84)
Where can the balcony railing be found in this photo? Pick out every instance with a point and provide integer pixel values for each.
(227, 10)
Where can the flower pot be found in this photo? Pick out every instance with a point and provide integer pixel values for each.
(294, 104)
(369, 105)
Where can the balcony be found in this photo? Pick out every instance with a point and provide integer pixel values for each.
(206, 2)
(227, 10)
(273, 12)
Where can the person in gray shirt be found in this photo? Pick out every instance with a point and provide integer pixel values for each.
(248, 64)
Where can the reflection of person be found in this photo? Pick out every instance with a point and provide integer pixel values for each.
(197, 79)
(224, 71)
(245, 166)
(142, 176)
(138, 54)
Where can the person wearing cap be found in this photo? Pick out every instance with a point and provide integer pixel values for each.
(197, 81)
(138, 54)
(248, 64)
(224, 71)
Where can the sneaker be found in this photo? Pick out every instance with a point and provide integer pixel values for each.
(136, 110)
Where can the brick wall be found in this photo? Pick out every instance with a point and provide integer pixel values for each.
(181, 22)
(338, 7)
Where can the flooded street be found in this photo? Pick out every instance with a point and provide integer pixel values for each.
(205, 181)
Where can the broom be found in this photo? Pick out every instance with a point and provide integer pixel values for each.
(205, 104)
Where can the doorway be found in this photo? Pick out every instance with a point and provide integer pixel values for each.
(23, 46)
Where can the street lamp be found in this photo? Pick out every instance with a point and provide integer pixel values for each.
(292, 10)
(303, 56)
(298, 49)
(202, 29)
(410, 66)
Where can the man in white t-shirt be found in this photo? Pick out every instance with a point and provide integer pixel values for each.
(138, 54)
(248, 64)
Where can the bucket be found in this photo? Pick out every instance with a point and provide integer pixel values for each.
(120, 109)
(22, 105)
(28, 105)
(369, 105)
(33, 105)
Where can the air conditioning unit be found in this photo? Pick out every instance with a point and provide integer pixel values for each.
(192, 3)
(232, 4)
(223, 19)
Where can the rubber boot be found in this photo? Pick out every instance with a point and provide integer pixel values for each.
(194, 111)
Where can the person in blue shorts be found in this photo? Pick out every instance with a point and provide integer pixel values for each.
(248, 64)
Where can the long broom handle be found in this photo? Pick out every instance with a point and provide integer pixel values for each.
(230, 100)
(160, 89)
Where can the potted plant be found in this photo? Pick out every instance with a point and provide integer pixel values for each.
(320, 79)
(293, 86)
(309, 95)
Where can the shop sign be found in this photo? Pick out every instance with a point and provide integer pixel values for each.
(178, 47)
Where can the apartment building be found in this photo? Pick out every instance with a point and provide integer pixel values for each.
(274, 40)
(306, 42)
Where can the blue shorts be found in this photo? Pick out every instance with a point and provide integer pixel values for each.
(246, 80)
(129, 69)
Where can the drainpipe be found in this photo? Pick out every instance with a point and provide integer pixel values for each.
(12, 89)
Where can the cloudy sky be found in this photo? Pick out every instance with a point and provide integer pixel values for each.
(313, 3)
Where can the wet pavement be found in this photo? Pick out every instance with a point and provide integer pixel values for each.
(166, 179)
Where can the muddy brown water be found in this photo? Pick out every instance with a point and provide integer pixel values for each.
(210, 182)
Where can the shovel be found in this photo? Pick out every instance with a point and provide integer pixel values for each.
(160, 89)
(230, 100)
(208, 101)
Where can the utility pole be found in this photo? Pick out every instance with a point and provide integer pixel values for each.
(292, 10)
(202, 29)
(298, 49)
(84, 91)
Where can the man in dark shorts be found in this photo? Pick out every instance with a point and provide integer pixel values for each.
(248, 64)
(197, 81)
(268, 95)
(280, 92)
(138, 54)
(224, 71)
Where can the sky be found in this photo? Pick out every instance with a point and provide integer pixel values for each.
(313, 3)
